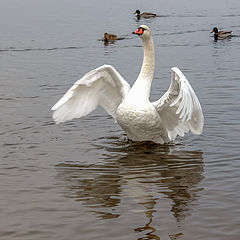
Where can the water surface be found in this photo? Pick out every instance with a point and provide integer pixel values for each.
(83, 179)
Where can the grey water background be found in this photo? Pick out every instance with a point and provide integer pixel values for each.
(83, 179)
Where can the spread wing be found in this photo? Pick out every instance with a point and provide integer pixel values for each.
(179, 108)
(102, 86)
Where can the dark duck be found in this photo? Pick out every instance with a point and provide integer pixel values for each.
(221, 34)
(144, 14)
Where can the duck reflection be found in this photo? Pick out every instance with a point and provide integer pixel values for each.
(148, 174)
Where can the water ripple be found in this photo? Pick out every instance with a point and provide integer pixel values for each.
(13, 49)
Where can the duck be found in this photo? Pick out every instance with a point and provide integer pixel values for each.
(221, 34)
(144, 14)
(175, 113)
(109, 37)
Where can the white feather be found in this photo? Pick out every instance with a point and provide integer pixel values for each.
(175, 113)
(182, 112)
(102, 86)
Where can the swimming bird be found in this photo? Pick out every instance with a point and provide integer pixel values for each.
(221, 34)
(144, 15)
(109, 37)
(161, 121)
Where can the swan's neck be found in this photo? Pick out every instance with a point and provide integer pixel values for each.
(142, 85)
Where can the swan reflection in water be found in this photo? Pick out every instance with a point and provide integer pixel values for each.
(146, 174)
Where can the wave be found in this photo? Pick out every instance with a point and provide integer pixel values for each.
(13, 49)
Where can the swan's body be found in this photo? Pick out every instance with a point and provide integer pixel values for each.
(175, 113)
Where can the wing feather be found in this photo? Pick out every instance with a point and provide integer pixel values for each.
(179, 108)
(102, 86)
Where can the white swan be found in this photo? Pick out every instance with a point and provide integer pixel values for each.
(175, 113)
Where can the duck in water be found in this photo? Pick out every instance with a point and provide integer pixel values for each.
(109, 37)
(221, 34)
(144, 14)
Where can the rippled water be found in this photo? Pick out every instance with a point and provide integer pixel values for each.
(83, 179)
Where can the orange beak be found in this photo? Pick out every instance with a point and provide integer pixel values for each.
(211, 31)
(139, 31)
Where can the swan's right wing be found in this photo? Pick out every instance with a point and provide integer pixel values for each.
(102, 86)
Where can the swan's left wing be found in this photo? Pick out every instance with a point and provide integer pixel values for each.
(179, 108)
(102, 86)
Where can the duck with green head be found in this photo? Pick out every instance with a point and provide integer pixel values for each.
(221, 34)
(144, 14)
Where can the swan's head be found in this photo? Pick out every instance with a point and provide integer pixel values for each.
(143, 32)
